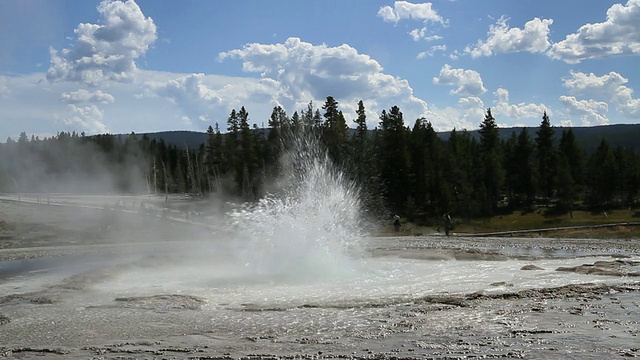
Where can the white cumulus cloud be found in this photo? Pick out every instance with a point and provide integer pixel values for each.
(582, 83)
(303, 72)
(473, 108)
(534, 38)
(423, 34)
(618, 35)
(107, 50)
(87, 118)
(471, 102)
(609, 87)
(403, 10)
(521, 110)
(432, 51)
(447, 118)
(468, 82)
(590, 112)
(4, 89)
(82, 96)
(189, 87)
(202, 97)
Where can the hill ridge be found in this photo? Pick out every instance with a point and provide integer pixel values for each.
(624, 135)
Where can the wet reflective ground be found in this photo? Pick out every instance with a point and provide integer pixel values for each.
(413, 297)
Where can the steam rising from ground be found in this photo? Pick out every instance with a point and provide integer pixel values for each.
(310, 228)
(72, 164)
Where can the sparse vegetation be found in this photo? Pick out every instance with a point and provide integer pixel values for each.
(617, 223)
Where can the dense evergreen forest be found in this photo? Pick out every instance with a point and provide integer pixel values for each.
(406, 170)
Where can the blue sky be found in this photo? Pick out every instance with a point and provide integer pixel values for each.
(145, 65)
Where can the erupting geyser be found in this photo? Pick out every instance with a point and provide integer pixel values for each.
(309, 228)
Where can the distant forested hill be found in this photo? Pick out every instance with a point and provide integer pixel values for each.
(627, 136)
(191, 139)
(624, 135)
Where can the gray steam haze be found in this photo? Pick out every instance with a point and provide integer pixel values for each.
(68, 165)
(308, 224)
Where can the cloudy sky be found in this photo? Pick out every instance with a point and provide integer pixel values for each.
(146, 65)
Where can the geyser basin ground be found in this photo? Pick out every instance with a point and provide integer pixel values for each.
(390, 276)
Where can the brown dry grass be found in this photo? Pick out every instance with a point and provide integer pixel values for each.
(541, 219)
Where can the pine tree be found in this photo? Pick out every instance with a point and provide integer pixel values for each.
(625, 161)
(602, 170)
(279, 131)
(218, 156)
(231, 142)
(491, 164)
(209, 158)
(316, 121)
(546, 155)
(213, 158)
(567, 190)
(363, 163)
(421, 167)
(361, 153)
(431, 191)
(575, 162)
(510, 166)
(296, 122)
(307, 116)
(361, 124)
(394, 157)
(334, 130)
(330, 108)
(459, 160)
(163, 158)
(522, 169)
(247, 177)
(23, 139)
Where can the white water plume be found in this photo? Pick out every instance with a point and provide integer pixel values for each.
(311, 228)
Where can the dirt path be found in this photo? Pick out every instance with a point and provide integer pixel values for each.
(625, 229)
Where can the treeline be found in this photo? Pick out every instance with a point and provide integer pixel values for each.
(405, 170)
